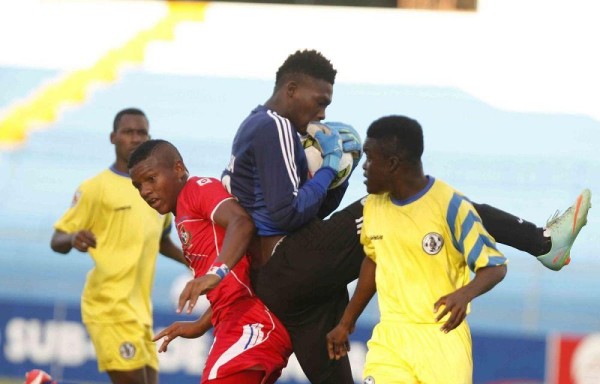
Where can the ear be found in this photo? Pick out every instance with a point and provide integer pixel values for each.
(291, 87)
(393, 163)
(112, 137)
(180, 169)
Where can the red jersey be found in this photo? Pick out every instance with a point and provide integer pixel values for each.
(246, 334)
(202, 238)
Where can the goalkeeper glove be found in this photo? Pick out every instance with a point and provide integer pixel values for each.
(351, 141)
(331, 149)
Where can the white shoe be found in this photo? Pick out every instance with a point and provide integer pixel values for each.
(564, 230)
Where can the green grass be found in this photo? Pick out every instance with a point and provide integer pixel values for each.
(6, 380)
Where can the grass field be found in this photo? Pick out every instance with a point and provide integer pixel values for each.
(15, 380)
(11, 381)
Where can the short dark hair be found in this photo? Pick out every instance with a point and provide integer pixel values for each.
(401, 135)
(305, 62)
(127, 111)
(148, 148)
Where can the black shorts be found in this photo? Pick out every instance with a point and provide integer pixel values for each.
(304, 284)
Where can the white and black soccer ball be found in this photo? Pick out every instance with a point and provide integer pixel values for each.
(312, 149)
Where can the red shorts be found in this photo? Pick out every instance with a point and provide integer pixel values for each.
(247, 336)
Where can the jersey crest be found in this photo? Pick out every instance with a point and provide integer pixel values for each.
(184, 235)
(76, 197)
(203, 181)
(127, 350)
(433, 243)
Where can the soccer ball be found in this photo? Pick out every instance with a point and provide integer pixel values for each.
(37, 376)
(312, 149)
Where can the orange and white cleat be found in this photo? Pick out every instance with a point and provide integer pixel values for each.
(564, 229)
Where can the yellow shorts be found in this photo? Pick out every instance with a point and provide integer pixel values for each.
(123, 346)
(401, 353)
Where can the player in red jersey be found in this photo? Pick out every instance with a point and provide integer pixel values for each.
(250, 345)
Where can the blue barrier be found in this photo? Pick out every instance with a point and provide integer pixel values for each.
(52, 337)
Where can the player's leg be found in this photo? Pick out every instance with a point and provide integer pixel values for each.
(136, 376)
(308, 330)
(310, 265)
(305, 284)
(249, 377)
(389, 356)
(336, 243)
(125, 351)
(151, 369)
(552, 244)
(248, 337)
(308, 318)
(443, 357)
(513, 231)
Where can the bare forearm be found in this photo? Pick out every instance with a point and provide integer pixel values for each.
(365, 289)
(203, 323)
(237, 240)
(170, 250)
(485, 279)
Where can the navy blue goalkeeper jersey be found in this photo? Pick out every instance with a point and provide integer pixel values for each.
(268, 174)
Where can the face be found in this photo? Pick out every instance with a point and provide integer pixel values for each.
(158, 184)
(308, 100)
(376, 167)
(132, 130)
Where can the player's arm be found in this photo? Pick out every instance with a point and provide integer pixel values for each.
(351, 142)
(68, 232)
(166, 246)
(482, 257)
(185, 329)
(338, 343)
(170, 250)
(63, 242)
(239, 229)
(289, 203)
(456, 303)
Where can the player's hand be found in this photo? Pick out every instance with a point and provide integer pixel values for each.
(331, 148)
(338, 343)
(351, 141)
(454, 303)
(194, 289)
(185, 329)
(83, 240)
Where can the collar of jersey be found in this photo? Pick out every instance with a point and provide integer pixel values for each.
(417, 196)
(115, 170)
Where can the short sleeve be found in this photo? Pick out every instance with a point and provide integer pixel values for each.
(80, 215)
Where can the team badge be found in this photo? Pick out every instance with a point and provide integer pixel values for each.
(76, 197)
(369, 380)
(127, 350)
(433, 243)
(184, 235)
(203, 181)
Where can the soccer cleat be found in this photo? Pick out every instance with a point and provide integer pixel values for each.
(37, 376)
(563, 231)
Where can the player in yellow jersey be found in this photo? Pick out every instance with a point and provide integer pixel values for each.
(123, 235)
(422, 239)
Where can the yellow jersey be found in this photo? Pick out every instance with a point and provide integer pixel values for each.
(128, 233)
(424, 248)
